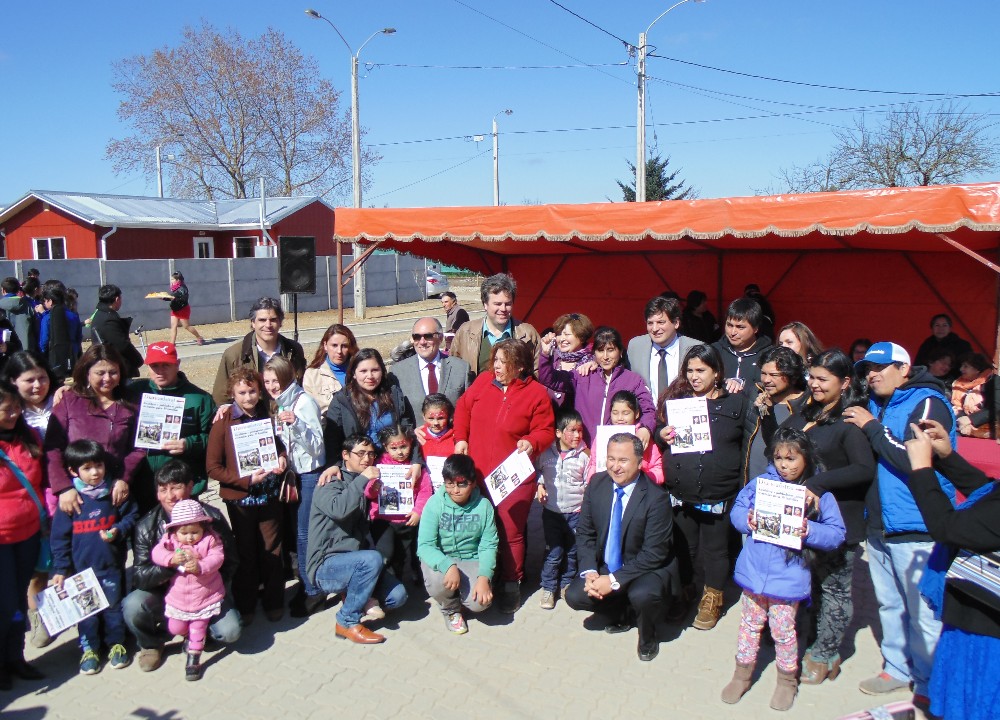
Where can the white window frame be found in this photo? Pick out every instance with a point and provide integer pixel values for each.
(209, 242)
(253, 243)
(48, 242)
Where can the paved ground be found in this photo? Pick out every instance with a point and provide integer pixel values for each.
(537, 664)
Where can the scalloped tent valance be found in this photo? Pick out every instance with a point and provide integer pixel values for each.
(856, 263)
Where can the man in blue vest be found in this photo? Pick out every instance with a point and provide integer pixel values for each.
(898, 542)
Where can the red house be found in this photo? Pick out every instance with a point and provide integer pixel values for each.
(47, 225)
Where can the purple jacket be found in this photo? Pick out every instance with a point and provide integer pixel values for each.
(589, 392)
(777, 572)
(77, 418)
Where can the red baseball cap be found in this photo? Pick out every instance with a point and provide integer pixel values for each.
(162, 352)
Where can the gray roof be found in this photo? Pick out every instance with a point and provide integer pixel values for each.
(164, 213)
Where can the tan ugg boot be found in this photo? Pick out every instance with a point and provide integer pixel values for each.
(739, 685)
(709, 609)
(786, 690)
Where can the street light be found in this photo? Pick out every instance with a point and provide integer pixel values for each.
(640, 154)
(496, 158)
(359, 276)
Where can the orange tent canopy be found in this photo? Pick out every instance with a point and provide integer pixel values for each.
(854, 263)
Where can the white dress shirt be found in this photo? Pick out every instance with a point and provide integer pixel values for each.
(423, 371)
(673, 365)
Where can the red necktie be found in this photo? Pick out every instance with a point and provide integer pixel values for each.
(432, 380)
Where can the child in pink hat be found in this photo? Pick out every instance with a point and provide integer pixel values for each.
(196, 592)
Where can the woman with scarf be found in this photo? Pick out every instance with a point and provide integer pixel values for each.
(565, 348)
(327, 373)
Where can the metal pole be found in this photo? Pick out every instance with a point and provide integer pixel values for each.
(496, 166)
(359, 277)
(640, 144)
(295, 310)
(340, 282)
(159, 172)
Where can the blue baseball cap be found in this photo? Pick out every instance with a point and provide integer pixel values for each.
(884, 353)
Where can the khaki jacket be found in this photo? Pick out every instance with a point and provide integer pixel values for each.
(244, 353)
(469, 338)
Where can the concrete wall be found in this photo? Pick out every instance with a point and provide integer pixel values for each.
(222, 290)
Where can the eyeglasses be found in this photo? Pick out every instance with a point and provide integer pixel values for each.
(424, 336)
(461, 485)
(363, 454)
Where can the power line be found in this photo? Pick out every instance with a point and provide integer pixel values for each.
(504, 67)
(593, 25)
(818, 85)
(442, 172)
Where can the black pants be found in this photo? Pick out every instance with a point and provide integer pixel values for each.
(646, 596)
(396, 542)
(698, 532)
(258, 541)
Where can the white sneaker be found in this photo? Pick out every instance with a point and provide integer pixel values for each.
(372, 611)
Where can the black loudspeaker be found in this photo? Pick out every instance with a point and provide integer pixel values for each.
(297, 264)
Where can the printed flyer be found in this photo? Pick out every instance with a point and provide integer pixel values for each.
(254, 446)
(396, 495)
(780, 509)
(513, 471)
(160, 418)
(79, 597)
(689, 418)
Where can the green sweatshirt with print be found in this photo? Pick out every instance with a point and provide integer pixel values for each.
(450, 532)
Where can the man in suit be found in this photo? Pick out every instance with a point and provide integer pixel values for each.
(624, 549)
(657, 355)
(429, 371)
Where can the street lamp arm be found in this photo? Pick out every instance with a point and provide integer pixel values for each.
(383, 31)
(658, 17)
(313, 14)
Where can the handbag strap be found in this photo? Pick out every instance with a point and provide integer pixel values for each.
(19, 474)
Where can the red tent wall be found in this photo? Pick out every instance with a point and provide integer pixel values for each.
(841, 295)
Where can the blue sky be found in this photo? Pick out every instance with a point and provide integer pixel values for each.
(571, 86)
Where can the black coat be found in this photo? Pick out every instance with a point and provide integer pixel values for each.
(973, 528)
(109, 328)
(710, 477)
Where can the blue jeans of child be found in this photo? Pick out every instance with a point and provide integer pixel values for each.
(308, 486)
(559, 567)
(358, 575)
(111, 620)
(909, 630)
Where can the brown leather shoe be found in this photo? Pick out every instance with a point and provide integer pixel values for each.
(359, 634)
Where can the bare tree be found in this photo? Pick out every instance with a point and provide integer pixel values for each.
(911, 147)
(232, 110)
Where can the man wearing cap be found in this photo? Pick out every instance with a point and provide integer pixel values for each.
(144, 607)
(261, 344)
(429, 371)
(166, 378)
(898, 541)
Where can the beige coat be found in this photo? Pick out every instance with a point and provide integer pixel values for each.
(320, 384)
(469, 338)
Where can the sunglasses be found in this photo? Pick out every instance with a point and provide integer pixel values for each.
(461, 485)
(423, 336)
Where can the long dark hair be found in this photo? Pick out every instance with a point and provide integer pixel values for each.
(21, 431)
(681, 388)
(336, 329)
(382, 396)
(23, 361)
(81, 371)
(839, 365)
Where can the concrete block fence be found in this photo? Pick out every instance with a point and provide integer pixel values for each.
(223, 289)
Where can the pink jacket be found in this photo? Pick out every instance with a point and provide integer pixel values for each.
(192, 593)
(421, 493)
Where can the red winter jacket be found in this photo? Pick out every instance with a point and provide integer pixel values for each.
(19, 518)
(492, 421)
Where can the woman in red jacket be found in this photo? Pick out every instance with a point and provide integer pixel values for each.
(20, 532)
(501, 412)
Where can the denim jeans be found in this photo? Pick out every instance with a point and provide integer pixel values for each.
(358, 575)
(308, 486)
(108, 625)
(909, 630)
(559, 567)
(144, 617)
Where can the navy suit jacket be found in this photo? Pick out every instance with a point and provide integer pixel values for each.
(647, 530)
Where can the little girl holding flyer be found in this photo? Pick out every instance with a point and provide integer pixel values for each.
(774, 578)
(197, 590)
(625, 411)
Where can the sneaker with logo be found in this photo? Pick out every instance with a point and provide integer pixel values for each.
(881, 684)
(118, 657)
(90, 663)
(456, 623)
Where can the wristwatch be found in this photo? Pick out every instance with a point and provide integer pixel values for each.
(615, 585)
